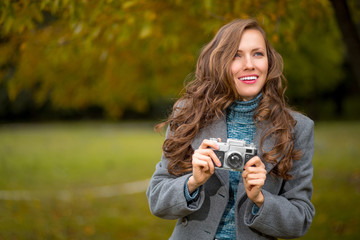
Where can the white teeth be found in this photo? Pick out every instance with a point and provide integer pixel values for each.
(248, 78)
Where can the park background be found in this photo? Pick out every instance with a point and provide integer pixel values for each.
(82, 83)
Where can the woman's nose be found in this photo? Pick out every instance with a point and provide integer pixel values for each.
(248, 63)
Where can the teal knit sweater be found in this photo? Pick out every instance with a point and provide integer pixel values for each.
(240, 125)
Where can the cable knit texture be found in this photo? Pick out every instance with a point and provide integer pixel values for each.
(240, 125)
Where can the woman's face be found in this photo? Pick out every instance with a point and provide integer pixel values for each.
(250, 65)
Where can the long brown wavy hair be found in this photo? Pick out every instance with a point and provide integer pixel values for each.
(212, 90)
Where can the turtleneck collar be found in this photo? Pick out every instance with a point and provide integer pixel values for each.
(245, 106)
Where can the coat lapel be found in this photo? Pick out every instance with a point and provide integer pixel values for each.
(218, 129)
(267, 146)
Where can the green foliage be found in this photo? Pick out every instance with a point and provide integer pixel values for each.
(127, 54)
(313, 61)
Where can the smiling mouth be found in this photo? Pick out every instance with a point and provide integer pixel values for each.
(250, 78)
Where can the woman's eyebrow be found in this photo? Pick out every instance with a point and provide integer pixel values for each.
(255, 49)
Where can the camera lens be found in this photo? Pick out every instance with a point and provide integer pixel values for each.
(235, 160)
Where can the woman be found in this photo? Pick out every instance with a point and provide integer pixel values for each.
(236, 93)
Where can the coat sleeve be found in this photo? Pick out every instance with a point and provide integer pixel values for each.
(166, 194)
(289, 214)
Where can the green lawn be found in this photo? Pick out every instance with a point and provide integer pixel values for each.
(336, 181)
(47, 159)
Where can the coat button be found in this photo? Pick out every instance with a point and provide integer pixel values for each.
(184, 221)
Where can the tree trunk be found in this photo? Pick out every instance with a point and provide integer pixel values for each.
(350, 35)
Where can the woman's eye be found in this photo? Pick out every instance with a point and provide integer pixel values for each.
(237, 55)
(258, 54)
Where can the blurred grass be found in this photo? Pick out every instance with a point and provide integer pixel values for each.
(70, 156)
(47, 158)
(336, 181)
(76, 155)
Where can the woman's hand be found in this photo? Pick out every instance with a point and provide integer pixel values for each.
(254, 176)
(203, 167)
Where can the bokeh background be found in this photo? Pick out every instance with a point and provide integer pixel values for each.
(82, 83)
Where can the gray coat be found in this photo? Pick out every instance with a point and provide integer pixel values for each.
(287, 211)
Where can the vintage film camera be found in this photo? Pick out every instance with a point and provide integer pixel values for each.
(234, 153)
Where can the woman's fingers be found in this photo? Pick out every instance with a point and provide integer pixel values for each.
(254, 162)
(254, 173)
(210, 153)
(257, 180)
(254, 176)
(203, 161)
(209, 146)
(206, 143)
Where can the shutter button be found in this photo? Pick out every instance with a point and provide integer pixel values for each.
(184, 221)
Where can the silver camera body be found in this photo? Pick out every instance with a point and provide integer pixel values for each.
(234, 153)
